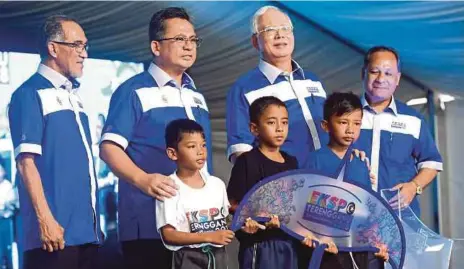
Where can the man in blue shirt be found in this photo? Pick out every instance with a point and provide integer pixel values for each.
(277, 75)
(396, 137)
(50, 133)
(133, 143)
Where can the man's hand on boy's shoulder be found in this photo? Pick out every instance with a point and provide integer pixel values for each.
(362, 156)
(157, 185)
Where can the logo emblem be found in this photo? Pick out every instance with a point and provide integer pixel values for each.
(398, 125)
(58, 100)
(197, 101)
(329, 210)
(164, 98)
(311, 89)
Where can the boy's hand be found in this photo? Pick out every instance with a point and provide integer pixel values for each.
(383, 253)
(332, 248)
(273, 222)
(252, 226)
(309, 240)
(221, 237)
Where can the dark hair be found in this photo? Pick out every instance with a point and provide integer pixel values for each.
(52, 29)
(259, 105)
(157, 25)
(371, 51)
(177, 128)
(339, 103)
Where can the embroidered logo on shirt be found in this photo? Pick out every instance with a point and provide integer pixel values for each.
(58, 100)
(164, 98)
(197, 101)
(398, 125)
(23, 137)
(312, 89)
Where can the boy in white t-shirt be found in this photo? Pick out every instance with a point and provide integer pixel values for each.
(193, 223)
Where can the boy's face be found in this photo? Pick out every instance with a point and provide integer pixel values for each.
(344, 129)
(272, 128)
(191, 151)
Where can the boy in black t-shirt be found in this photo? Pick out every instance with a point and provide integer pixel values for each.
(270, 248)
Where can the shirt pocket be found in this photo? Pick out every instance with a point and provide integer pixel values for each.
(399, 148)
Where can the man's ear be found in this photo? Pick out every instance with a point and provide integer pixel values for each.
(254, 129)
(254, 41)
(398, 79)
(325, 126)
(172, 154)
(51, 49)
(155, 48)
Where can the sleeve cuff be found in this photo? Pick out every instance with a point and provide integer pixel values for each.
(430, 164)
(238, 148)
(28, 148)
(118, 139)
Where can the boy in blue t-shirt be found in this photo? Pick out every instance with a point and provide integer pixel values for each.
(342, 120)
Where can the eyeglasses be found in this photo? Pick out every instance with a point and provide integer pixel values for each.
(78, 47)
(272, 31)
(181, 40)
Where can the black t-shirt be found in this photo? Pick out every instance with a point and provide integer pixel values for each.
(253, 166)
(250, 168)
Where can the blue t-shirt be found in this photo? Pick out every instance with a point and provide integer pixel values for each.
(140, 110)
(302, 93)
(325, 160)
(399, 143)
(50, 122)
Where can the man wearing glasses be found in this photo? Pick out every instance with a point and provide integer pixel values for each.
(280, 76)
(133, 143)
(50, 133)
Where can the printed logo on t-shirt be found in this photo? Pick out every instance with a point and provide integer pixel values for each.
(207, 220)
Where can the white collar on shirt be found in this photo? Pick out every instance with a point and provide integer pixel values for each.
(203, 175)
(391, 106)
(54, 77)
(271, 72)
(162, 78)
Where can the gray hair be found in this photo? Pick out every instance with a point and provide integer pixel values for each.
(52, 30)
(261, 11)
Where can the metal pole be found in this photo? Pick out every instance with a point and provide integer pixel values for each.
(431, 112)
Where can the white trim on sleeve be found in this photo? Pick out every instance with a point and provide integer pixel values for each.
(118, 139)
(430, 164)
(28, 148)
(238, 148)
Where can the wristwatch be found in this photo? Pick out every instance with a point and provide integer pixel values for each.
(418, 187)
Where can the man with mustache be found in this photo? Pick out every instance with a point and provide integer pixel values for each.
(51, 136)
(133, 143)
(280, 76)
(396, 137)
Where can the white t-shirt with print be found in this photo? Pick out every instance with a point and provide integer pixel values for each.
(194, 210)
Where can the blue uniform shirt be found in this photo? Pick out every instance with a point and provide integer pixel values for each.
(304, 96)
(399, 143)
(327, 161)
(140, 110)
(47, 119)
